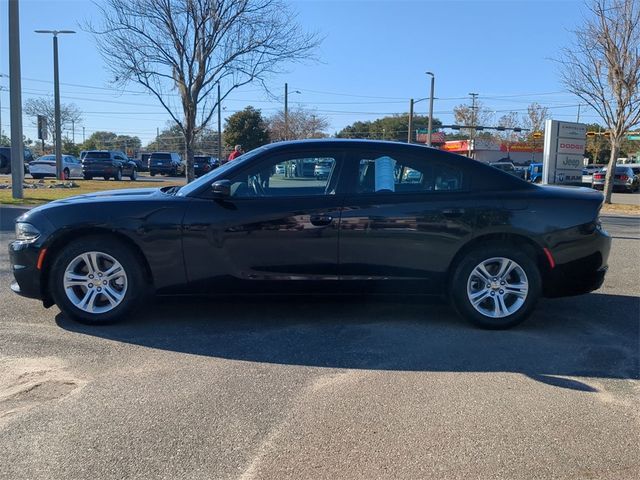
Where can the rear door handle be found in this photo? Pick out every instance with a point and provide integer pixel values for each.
(321, 220)
(453, 212)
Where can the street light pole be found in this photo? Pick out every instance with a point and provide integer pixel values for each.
(56, 95)
(430, 108)
(409, 136)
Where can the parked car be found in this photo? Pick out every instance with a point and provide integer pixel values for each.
(534, 173)
(488, 241)
(144, 157)
(140, 166)
(5, 159)
(166, 163)
(624, 179)
(45, 166)
(322, 169)
(204, 164)
(107, 164)
(508, 167)
(588, 171)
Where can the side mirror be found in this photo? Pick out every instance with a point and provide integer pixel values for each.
(221, 188)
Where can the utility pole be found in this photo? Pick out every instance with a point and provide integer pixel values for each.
(1, 90)
(73, 132)
(578, 117)
(286, 111)
(410, 135)
(219, 127)
(15, 94)
(433, 78)
(83, 140)
(56, 98)
(473, 121)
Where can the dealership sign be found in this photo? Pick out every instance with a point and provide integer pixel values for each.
(564, 147)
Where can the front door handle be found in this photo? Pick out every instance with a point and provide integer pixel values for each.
(321, 220)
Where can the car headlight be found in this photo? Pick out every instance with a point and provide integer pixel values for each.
(25, 232)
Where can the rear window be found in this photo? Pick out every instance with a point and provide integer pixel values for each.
(199, 158)
(161, 156)
(97, 155)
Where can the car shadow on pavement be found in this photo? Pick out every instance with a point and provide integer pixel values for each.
(593, 335)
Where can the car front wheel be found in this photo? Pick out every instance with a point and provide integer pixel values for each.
(495, 287)
(118, 175)
(96, 280)
(134, 175)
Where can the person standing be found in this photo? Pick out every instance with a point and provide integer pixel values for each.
(237, 151)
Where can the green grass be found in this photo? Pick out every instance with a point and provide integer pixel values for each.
(44, 195)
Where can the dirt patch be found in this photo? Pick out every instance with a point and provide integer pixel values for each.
(614, 208)
(27, 383)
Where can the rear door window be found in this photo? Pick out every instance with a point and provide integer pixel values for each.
(398, 174)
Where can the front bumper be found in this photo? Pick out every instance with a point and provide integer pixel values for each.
(28, 279)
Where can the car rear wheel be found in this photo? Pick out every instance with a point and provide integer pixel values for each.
(88, 177)
(65, 174)
(495, 287)
(96, 280)
(36, 176)
(118, 175)
(134, 175)
(152, 173)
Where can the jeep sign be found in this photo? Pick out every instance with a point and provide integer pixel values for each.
(564, 147)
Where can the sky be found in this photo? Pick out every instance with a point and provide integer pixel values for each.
(372, 60)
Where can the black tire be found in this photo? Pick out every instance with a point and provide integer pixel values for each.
(135, 291)
(152, 173)
(106, 177)
(88, 177)
(37, 176)
(465, 281)
(118, 175)
(66, 174)
(134, 175)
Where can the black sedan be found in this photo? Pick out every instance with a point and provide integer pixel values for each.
(389, 217)
(204, 164)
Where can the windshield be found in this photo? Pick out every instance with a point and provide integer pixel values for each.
(219, 173)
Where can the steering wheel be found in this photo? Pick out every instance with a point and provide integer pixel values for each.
(255, 185)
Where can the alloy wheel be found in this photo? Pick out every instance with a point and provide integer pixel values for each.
(497, 287)
(95, 282)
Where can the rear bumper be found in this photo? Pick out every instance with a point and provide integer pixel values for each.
(162, 169)
(584, 274)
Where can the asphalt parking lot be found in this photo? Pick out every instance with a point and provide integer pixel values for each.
(274, 388)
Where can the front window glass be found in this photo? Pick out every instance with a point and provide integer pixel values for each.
(300, 176)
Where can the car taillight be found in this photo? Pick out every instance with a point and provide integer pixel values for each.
(623, 177)
(207, 168)
(598, 176)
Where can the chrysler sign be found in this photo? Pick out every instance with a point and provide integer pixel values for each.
(564, 147)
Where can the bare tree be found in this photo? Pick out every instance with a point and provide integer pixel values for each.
(535, 118)
(192, 46)
(603, 69)
(302, 123)
(69, 113)
(465, 115)
(508, 136)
